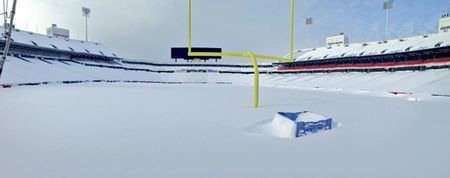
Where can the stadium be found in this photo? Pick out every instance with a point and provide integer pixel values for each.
(77, 108)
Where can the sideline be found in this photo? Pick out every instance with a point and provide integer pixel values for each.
(69, 82)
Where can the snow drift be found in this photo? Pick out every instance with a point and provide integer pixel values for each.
(295, 124)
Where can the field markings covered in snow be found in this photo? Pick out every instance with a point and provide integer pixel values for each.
(138, 130)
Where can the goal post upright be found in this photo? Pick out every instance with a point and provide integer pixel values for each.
(250, 55)
(189, 27)
(291, 52)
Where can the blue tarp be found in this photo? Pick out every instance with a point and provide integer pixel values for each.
(291, 115)
(305, 128)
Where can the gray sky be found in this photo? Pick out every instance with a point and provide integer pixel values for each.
(146, 29)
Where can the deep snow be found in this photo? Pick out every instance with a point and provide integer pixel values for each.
(137, 130)
(425, 82)
(284, 127)
(391, 125)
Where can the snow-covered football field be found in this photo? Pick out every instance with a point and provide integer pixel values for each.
(211, 130)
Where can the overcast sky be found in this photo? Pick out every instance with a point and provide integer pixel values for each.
(146, 29)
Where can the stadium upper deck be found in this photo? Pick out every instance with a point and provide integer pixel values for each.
(414, 53)
(33, 44)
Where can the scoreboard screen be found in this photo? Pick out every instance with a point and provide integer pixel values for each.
(182, 53)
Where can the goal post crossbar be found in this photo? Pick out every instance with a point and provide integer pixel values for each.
(254, 57)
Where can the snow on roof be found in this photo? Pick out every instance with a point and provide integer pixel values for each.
(375, 48)
(39, 40)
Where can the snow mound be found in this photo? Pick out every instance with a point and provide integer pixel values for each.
(295, 124)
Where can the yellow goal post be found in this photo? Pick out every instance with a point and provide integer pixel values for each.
(254, 57)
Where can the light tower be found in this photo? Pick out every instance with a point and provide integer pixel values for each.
(86, 13)
(309, 22)
(387, 5)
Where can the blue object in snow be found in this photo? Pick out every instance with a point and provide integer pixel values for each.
(308, 122)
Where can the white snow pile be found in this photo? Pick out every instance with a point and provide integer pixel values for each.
(295, 124)
(117, 130)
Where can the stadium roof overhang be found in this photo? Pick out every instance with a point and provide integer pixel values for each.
(422, 54)
(25, 49)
